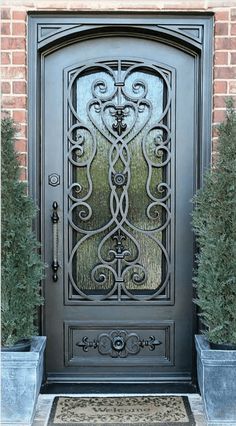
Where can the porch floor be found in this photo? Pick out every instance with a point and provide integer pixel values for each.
(45, 402)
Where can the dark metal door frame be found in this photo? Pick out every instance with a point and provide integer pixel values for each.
(191, 33)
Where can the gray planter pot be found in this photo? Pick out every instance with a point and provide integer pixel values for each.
(21, 378)
(216, 370)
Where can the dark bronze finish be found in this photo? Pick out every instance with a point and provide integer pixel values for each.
(54, 179)
(55, 220)
(118, 343)
(119, 126)
(180, 47)
(119, 337)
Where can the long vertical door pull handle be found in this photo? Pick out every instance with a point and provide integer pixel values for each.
(55, 220)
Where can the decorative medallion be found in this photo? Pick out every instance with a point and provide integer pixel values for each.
(118, 343)
(119, 179)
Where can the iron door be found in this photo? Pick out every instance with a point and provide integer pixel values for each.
(118, 138)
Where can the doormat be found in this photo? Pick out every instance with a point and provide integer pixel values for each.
(117, 411)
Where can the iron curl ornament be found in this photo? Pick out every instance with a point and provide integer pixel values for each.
(119, 108)
(118, 343)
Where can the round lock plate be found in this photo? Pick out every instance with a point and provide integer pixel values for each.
(118, 343)
(54, 179)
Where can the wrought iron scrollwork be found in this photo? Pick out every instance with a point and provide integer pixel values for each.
(119, 111)
(119, 126)
(118, 343)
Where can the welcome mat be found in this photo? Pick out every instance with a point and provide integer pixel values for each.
(117, 411)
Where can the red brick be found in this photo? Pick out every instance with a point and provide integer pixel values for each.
(184, 5)
(221, 28)
(29, 4)
(18, 15)
(215, 133)
(19, 116)
(5, 13)
(5, 58)
(23, 174)
(232, 87)
(18, 28)
(9, 73)
(225, 43)
(9, 43)
(219, 101)
(19, 58)
(5, 87)
(22, 159)
(220, 87)
(215, 142)
(14, 101)
(221, 16)
(233, 14)
(6, 113)
(7, 102)
(19, 87)
(225, 72)
(22, 131)
(53, 4)
(20, 145)
(5, 28)
(218, 115)
(221, 58)
(233, 29)
(233, 58)
(128, 7)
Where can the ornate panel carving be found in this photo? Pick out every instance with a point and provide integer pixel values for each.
(119, 189)
(118, 343)
(85, 342)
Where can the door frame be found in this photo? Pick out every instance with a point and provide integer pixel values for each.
(190, 32)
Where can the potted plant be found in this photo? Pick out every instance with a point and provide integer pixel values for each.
(22, 270)
(214, 221)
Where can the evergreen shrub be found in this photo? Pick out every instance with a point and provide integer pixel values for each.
(214, 221)
(22, 268)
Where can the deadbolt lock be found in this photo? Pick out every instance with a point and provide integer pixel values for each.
(54, 179)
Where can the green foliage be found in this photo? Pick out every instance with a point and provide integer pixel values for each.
(21, 265)
(214, 221)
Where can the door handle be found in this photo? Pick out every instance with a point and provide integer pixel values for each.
(55, 220)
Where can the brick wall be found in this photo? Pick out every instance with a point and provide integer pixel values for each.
(14, 50)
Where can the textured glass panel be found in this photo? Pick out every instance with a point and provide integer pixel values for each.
(118, 195)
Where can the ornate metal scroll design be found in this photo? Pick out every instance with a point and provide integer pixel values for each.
(119, 116)
(118, 343)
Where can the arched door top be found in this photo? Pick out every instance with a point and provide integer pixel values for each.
(187, 34)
